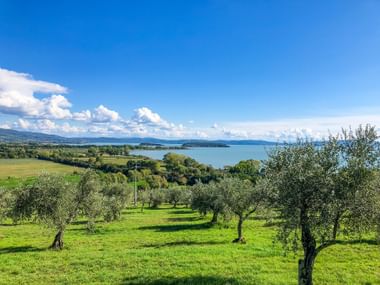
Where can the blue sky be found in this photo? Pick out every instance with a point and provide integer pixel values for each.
(215, 69)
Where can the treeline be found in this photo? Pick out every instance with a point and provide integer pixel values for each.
(33, 150)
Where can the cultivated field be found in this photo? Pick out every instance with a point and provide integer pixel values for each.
(31, 167)
(171, 246)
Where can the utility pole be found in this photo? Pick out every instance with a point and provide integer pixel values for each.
(135, 188)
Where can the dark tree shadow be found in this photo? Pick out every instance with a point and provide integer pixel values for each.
(181, 212)
(183, 243)
(8, 225)
(191, 280)
(357, 241)
(16, 249)
(175, 228)
(184, 219)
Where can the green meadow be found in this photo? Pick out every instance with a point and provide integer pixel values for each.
(172, 246)
(31, 167)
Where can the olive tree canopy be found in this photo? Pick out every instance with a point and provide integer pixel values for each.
(317, 188)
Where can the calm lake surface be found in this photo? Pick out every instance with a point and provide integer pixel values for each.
(217, 157)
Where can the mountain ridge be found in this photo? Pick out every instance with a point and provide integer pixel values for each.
(14, 136)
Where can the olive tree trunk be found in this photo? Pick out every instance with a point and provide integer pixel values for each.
(58, 241)
(306, 265)
(305, 268)
(214, 219)
(240, 237)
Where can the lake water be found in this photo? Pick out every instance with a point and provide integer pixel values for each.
(217, 157)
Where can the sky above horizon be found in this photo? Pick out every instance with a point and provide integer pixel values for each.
(273, 70)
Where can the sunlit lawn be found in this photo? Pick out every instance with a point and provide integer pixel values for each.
(170, 246)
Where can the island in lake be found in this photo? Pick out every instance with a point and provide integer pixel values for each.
(204, 144)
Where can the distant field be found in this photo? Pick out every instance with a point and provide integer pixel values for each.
(23, 168)
(172, 247)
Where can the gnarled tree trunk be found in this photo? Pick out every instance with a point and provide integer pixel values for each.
(305, 268)
(58, 241)
(214, 219)
(240, 231)
(306, 265)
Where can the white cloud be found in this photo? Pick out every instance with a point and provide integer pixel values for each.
(82, 116)
(146, 116)
(102, 114)
(17, 97)
(23, 124)
(291, 129)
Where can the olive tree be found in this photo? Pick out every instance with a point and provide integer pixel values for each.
(208, 198)
(156, 197)
(318, 187)
(50, 200)
(5, 203)
(89, 197)
(243, 199)
(174, 195)
(115, 198)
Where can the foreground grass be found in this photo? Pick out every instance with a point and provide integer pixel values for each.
(171, 246)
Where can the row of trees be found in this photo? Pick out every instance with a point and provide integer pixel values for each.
(53, 201)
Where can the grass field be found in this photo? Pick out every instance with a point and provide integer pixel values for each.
(31, 167)
(171, 246)
(14, 172)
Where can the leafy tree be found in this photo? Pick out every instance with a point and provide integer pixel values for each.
(246, 169)
(51, 201)
(115, 200)
(5, 203)
(243, 199)
(174, 195)
(156, 197)
(316, 188)
(143, 197)
(90, 197)
(208, 198)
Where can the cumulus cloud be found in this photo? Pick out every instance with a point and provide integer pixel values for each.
(145, 116)
(102, 114)
(17, 96)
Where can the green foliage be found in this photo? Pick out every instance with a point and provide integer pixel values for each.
(156, 197)
(208, 198)
(243, 199)
(89, 197)
(115, 200)
(184, 170)
(246, 170)
(174, 195)
(6, 199)
(318, 188)
(51, 200)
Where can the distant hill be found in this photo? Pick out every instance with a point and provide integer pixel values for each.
(13, 136)
(205, 144)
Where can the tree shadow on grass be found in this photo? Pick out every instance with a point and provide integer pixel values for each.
(181, 212)
(16, 249)
(357, 241)
(191, 280)
(184, 219)
(175, 228)
(182, 243)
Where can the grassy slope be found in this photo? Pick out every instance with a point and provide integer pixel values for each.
(31, 167)
(170, 246)
(14, 172)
